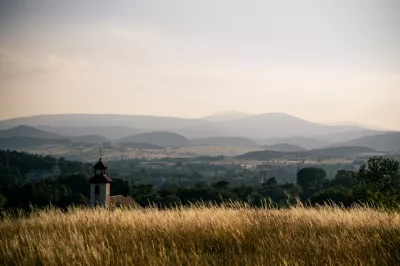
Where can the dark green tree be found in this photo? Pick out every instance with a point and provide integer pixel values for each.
(378, 182)
(343, 178)
(311, 180)
(337, 195)
(221, 185)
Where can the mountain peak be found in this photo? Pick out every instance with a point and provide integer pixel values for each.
(227, 115)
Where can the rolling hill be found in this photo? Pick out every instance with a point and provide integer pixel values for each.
(389, 142)
(29, 132)
(334, 152)
(284, 147)
(110, 132)
(25, 136)
(272, 125)
(165, 139)
(224, 141)
(340, 152)
(307, 143)
(350, 135)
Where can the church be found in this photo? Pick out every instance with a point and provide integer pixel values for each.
(100, 190)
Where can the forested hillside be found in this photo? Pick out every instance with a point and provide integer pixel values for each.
(15, 165)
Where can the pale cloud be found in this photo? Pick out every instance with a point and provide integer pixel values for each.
(125, 33)
(19, 65)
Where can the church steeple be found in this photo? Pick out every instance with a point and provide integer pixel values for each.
(100, 168)
(100, 186)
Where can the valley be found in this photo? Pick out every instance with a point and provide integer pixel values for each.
(80, 137)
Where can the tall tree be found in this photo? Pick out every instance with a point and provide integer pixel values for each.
(378, 182)
(343, 178)
(311, 180)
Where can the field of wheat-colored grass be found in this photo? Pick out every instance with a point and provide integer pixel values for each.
(200, 235)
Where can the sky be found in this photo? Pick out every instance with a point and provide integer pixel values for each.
(325, 61)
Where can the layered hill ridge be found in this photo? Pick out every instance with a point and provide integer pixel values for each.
(307, 143)
(148, 122)
(247, 130)
(273, 125)
(225, 141)
(334, 152)
(110, 132)
(21, 137)
(263, 126)
(27, 131)
(161, 138)
(389, 142)
(284, 147)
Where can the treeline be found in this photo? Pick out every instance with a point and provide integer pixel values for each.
(377, 182)
(15, 165)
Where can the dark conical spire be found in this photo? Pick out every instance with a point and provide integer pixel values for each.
(100, 165)
(100, 173)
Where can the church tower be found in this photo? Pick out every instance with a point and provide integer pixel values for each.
(100, 186)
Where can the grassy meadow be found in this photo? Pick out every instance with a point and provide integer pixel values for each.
(201, 235)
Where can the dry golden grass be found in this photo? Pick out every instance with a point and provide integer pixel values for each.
(200, 235)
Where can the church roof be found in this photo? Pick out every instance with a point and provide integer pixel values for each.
(120, 200)
(100, 165)
(100, 179)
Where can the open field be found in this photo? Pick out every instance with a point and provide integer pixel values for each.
(116, 153)
(235, 235)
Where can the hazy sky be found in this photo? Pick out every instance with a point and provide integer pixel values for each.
(324, 61)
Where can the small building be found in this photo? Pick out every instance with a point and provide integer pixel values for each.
(100, 186)
(100, 190)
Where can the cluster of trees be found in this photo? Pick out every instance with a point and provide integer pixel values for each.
(377, 183)
(190, 171)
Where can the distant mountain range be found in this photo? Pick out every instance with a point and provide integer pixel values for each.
(389, 142)
(264, 126)
(274, 125)
(231, 128)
